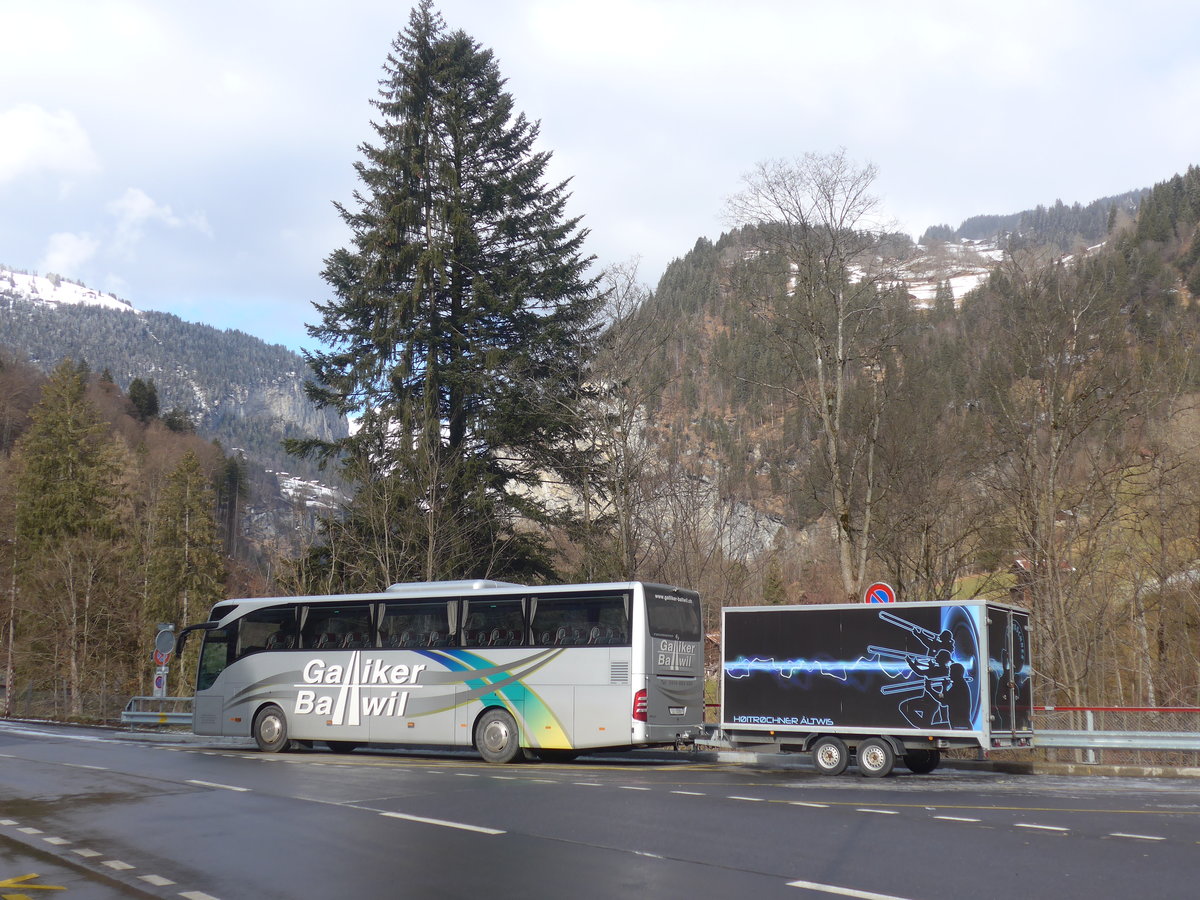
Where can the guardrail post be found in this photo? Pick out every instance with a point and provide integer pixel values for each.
(1091, 726)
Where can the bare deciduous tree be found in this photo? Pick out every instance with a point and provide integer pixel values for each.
(815, 221)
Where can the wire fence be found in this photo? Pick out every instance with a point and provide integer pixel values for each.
(1139, 728)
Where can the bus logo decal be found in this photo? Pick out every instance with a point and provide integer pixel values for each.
(345, 703)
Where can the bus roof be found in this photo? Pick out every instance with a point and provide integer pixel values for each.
(416, 590)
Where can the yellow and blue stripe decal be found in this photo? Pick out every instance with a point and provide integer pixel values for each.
(496, 685)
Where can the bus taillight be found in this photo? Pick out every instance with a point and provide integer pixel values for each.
(639, 706)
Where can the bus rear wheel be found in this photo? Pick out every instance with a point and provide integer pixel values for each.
(270, 729)
(496, 737)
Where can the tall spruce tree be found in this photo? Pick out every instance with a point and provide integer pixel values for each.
(69, 494)
(459, 328)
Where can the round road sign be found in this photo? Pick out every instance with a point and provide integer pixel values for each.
(880, 592)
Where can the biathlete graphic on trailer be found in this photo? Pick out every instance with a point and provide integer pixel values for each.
(877, 682)
(501, 667)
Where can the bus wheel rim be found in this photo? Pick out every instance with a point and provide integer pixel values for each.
(496, 736)
(270, 729)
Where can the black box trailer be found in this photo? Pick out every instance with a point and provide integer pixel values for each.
(883, 682)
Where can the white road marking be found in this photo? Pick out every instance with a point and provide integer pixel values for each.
(56, 841)
(747, 799)
(30, 830)
(813, 805)
(86, 853)
(688, 793)
(8, 822)
(956, 819)
(632, 787)
(879, 812)
(1040, 827)
(588, 784)
(84, 766)
(156, 880)
(841, 891)
(117, 865)
(213, 784)
(1137, 837)
(459, 825)
(196, 895)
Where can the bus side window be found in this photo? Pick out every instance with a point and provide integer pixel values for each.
(494, 623)
(416, 624)
(567, 621)
(337, 627)
(271, 628)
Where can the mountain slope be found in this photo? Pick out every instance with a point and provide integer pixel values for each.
(246, 393)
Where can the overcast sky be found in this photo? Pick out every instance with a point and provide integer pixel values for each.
(186, 156)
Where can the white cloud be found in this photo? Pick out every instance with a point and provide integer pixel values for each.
(67, 253)
(135, 209)
(37, 141)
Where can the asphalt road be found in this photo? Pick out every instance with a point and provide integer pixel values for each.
(105, 814)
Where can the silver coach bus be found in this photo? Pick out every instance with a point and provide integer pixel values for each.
(499, 667)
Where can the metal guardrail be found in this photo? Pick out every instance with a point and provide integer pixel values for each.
(1119, 740)
(157, 711)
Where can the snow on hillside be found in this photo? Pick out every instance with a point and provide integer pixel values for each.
(964, 265)
(56, 291)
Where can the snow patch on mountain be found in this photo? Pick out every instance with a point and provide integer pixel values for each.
(54, 290)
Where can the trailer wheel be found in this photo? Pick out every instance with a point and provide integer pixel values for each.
(876, 758)
(830, 755)
(922, 762)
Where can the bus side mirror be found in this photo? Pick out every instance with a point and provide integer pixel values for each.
(181, 638)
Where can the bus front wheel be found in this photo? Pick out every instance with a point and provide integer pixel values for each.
(270, 729)
(497, 737)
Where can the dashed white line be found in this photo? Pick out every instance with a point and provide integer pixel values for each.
(56, 841)
(747, 799)
(85, 852)
(841, 891)
(30, 830)
(117, 865)
(8, 821)
(879, 812)
(196, 895)
(213, 784)
(587, 784)
(156, 880)
(459, 825)
(957, 819)
(1137, 837)
(85, 766)
(1039, 827)
(688, 793)
(632, 787)
(804, 803)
